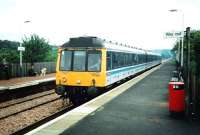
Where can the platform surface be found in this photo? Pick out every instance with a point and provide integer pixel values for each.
(140, 110)
(18, 82)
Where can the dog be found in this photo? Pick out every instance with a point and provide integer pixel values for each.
(43, 71)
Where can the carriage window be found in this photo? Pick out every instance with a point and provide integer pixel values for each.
(133, 59)
(129, 59)
(79, 60)
(65, 62)
(120, 58)
(109, 61)
(126, 59)
(136, 59)
(114, 60)
(94, 61)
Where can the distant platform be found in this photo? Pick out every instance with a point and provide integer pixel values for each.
(20, 82)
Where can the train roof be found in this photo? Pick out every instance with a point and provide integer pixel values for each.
(95, 42)
(83, 42)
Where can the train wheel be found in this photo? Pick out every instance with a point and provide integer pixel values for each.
(75, 99)
(77, 96)
(92, 92)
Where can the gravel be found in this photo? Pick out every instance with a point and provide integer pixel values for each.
(29, 97)
(21, 120)
(26, 105)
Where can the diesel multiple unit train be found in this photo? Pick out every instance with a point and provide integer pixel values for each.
(87, 65)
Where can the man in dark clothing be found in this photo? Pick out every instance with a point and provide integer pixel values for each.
(6, 69)
(31, 71)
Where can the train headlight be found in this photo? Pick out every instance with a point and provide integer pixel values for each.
(64, 80)
(78, 81)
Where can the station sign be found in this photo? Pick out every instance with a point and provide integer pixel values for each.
(174, 34)
(20, 48)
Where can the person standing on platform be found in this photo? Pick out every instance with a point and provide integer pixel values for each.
(31, 71)
(6, 69)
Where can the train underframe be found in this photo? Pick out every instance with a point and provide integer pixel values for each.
(78, 94)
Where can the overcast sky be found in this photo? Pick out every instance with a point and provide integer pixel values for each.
(140, 23)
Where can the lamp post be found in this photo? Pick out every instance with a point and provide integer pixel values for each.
(182, 38)
(21, 49)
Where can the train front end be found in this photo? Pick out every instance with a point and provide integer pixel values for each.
(80, 71)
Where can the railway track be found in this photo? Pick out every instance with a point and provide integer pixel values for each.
(20, 107)
(17, 114)
(25, 99)
(43, 121)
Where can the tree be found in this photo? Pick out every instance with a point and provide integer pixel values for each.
(8, 50)
(165, 53)
(36, 49)
(52, 56)
(194, 50)
(176, 45)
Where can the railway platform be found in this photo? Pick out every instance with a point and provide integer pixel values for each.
(20, 82)
(138, 107)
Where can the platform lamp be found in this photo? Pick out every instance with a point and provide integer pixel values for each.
(182, 38)
(21, 49)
